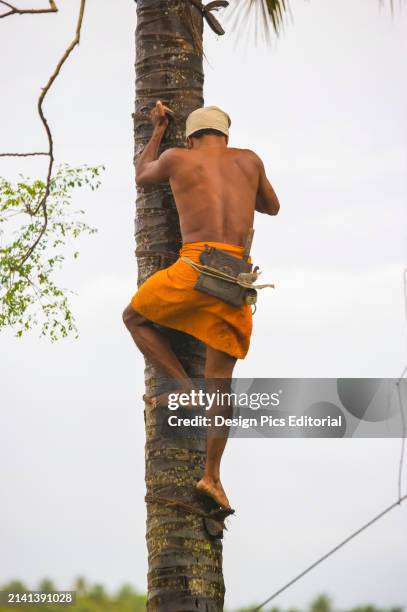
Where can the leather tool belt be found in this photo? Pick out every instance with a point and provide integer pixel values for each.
(227, 277)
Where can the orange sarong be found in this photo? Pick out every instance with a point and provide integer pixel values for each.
(168, 298)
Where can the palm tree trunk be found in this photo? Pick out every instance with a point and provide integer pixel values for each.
(185, 563)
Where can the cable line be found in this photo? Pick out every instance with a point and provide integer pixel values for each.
(400, 500)
(331, 552)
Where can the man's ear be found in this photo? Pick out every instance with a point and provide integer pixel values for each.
(189, 143)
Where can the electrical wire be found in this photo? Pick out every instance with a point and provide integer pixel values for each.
(331, 552)
(401, 498)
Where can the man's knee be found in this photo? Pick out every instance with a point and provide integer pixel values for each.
(131, 317)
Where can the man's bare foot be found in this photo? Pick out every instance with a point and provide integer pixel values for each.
(214, 490)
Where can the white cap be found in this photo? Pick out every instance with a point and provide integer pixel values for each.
(208, 117)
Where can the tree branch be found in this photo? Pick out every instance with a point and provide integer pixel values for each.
(23, 154)
(44, 91)
(16, 11)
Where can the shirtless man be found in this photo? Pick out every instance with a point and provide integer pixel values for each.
(216, 190)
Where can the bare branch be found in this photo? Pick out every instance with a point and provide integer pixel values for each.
(16, 11)
(42, 205)
(23, 154)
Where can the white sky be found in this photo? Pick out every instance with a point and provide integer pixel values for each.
(325, 107)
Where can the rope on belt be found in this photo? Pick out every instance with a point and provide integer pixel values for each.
(236, 280)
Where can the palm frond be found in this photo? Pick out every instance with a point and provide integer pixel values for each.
(257, 19)
(261, 18)
(275, 10)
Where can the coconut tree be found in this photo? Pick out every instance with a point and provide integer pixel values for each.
(184, 552)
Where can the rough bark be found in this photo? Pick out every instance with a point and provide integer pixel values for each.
(185, 563)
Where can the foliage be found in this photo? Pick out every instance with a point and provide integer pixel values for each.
(372, 608)
(46, 586)
(29, 293)
(321, 604)
(95, 598)
(89, 598)
(256, 19)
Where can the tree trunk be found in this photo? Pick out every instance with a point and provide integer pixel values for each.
(185, 563)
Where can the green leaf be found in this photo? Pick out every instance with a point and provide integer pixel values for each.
(29, 295)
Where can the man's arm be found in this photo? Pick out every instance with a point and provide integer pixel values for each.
(149, 169)
(266, 198)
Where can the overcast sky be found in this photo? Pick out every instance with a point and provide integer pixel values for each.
(325, 108)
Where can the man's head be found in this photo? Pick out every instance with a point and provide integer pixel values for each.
(207, 121)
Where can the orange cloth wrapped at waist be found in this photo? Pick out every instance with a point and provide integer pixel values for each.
(168, 298)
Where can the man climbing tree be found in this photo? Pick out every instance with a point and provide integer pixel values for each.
(184, 549)
(216, 190)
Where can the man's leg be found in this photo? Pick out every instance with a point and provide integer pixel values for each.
(155, 347)
(218, 374)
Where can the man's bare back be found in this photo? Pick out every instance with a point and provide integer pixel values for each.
(216, 188)
(215, 192)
